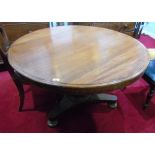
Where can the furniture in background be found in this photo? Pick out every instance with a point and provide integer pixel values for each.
(14, 30)
(81, 63)
(18, 79)
(123, 27)
(138, 29)
(149, 76)
(151, 52)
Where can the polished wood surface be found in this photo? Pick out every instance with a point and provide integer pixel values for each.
(15, 30)
(79, 58)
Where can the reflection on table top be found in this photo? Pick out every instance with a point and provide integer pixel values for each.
(79, 57)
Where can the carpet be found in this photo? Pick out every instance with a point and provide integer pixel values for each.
(88, 118)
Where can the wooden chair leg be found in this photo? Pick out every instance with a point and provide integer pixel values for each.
(149, 96)
(20, 88)
(22, 97)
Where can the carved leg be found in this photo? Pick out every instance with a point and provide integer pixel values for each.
(69, 101)
(20, 88)
(149, 96)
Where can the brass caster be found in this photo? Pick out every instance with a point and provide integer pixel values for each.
(52, 123)
(112, 105)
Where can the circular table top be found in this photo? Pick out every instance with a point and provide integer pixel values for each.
(80, 58)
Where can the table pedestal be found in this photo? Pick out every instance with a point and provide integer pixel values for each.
(69, 101)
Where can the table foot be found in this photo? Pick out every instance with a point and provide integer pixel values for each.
(52, 123)
(113, 105)
(111, 100)
(70, 101)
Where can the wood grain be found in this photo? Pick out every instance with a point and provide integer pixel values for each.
(79, 58)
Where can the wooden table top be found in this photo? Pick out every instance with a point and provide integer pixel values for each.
(84, 58)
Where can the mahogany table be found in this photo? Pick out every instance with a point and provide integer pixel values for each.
(79, 61)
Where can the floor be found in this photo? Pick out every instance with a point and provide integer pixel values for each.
(128, 117)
